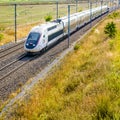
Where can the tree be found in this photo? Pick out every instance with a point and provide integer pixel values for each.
(48, 18)
(110, 30)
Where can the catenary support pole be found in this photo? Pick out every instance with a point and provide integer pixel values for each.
(90, 14)
(76, 6)
(101, 8)
(88, 4)
(15, 15)
(68, 25)
(57, 10)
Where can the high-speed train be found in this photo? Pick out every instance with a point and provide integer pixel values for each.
(42, 36)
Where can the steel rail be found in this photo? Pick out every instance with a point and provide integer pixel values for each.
(10, 47)
(12, 62)
(22, 64)
(10, 52)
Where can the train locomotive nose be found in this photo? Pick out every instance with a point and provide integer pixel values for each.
(30, 45)
(32, 40)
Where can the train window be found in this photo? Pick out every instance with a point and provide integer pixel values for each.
(53, 27)
(54, 35)
(33, 36)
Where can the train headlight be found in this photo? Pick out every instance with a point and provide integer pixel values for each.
(27, 44)
(34, 45)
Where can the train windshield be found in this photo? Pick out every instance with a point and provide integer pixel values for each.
(33, 36)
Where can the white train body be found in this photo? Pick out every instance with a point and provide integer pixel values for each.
(44, 35)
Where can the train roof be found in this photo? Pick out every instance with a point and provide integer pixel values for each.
(48, 26)
(53, 24)
(65, 19)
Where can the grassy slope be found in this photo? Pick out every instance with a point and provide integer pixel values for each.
(85, 86)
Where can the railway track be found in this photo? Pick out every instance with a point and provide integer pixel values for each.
(11, 49)
(11, 67)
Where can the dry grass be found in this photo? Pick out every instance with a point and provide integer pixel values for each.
(86, 86)
(22, 31)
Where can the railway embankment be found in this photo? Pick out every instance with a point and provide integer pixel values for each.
(84, 86)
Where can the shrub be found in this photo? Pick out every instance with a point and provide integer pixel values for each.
(80, 10)
(114, 15)
(48, 18)
(103, 110)
(111, 44)
(2, 28)
(76, 47)
(70, 87)
(110, 30)
(1, 36)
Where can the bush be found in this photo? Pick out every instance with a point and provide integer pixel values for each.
(76, 47)
(111, 44)
(2, 28)
(48, 18)
(70, 87)
(114, 15)
(80, 10)
(103, 110)
(1, 36)
(110, 30)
